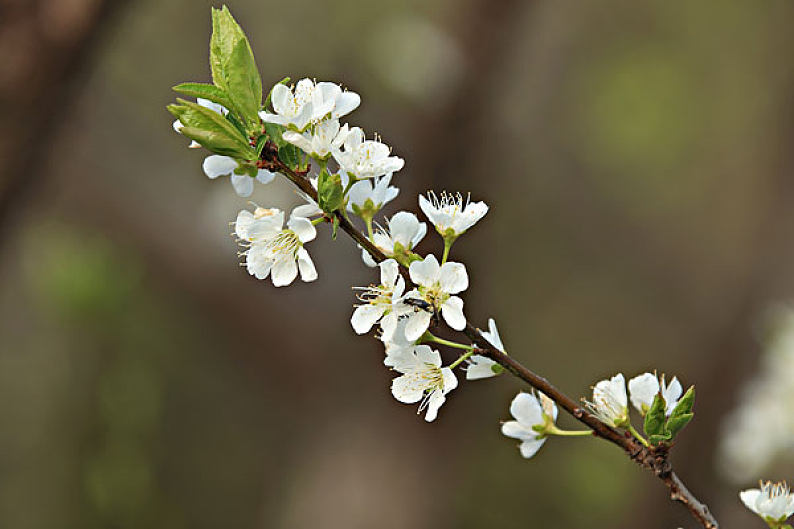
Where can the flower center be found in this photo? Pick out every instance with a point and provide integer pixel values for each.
(285, 243)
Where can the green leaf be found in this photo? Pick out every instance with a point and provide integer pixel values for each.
(233, 66)
(274, 131)
(685, 404)
(260, 144)
(243, 82)
(656, 439)
(218, 133)
(204, 91)
(329, 192)
(655, 417)
(215, 142)
(290, 155)
(676, 423)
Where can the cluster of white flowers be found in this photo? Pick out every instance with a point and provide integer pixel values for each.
(759, 432)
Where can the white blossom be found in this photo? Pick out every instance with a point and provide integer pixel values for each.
(370, 195)
(273, 250)
(320, 140)
(450, 214)
(308, 102)
(643, 389)
(403, 232)
(610, 403)
(773, 502)
(216, 165)
(529, 413)
(481, 366)
(423, 380)
(397, 346)
(366, 158)
(206, 103)
(382, 302)
(437, 285)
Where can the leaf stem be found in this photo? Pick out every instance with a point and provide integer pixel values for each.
(460, 359)
(639, 437)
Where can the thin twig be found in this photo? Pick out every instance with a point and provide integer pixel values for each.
(652, 458)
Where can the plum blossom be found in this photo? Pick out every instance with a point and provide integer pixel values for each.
(403, 232)
(308, 102)
(319, 141)
(397, 345)
(437, 285)
(481, 366)
(216, 165)
(643, 389)
(610, 402)
(367, 197)
(273, 250)
(450, 214)
(362, 158)
(423, 380)
(532, 415)
(773, 502)
(382, 302)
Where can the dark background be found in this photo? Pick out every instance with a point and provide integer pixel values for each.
(637, 160)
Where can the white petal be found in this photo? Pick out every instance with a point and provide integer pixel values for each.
(306, 266)
(452, 311)
(425, 272)
(389, 271)
(243, 184)
(418, 322)
(284, 272)
(450, 380)
(643, 389)
(671, 394)
(435, 402)
(427, 355)
(367, 258)
(303, 228)
(404, 390)
(526, 409)
(530, 448)
(217, 165)
(346, 103)
(516, 430)
(365, 316)
(750, 499)
(263, 176)
(280, 97)
(480, 367)
(244, 220)
(453, 278)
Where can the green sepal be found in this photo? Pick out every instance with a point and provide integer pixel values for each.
(329, 192)
(676, 423)
(334, 227)
(204, 91)
(655, 417)
(497, 368)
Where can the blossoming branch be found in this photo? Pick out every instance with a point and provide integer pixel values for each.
(346, 180)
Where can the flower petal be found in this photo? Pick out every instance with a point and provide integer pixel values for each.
(284, 272)
(452, 311)
(216, 165)
(243, 185)
(453, 278)
(425, 272)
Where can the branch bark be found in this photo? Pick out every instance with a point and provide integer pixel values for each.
(654, 459)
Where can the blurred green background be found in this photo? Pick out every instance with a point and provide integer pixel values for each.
(637, 159)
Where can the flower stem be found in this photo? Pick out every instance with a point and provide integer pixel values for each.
(428, 337)
(553, 430)
(318, 220)
(447, 245)
(368, 220)
(460, 359)
(639, 437)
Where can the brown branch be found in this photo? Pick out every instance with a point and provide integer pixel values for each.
(654, 458)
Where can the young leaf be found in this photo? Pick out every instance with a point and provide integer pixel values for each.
(676, 423)
(215, 142)
(290, 155)
(215, 127)
(233, 66)
(329, 192)
(655, 417)
(243, 82)
(205, 91)
(656, 439)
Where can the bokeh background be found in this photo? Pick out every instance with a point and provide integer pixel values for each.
(637, 157)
